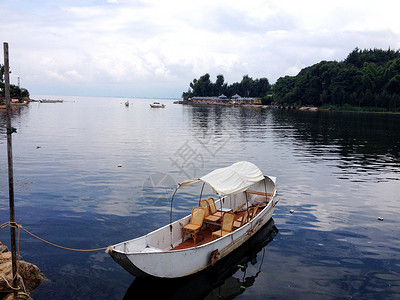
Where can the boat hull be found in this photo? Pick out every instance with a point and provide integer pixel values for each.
(212, 282)
(180, 263)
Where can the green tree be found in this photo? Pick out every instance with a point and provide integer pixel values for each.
(247, 86)
(262, 87)
(393, 86)
(220, 86)
(15, 91)
(202, 87)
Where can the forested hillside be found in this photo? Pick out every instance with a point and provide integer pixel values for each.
(366, 78)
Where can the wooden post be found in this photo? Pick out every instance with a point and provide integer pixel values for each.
(10, 130)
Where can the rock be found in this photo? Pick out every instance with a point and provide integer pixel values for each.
(5, 256)
(19, 296)
(3, 248)
(29, 273)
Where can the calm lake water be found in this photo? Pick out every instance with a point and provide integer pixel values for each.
(91, 172)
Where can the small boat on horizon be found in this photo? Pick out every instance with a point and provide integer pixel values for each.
(157, 105)
(50, 101)
(246, 201)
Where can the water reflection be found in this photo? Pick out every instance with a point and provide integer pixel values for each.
(16, 112)
(227, 279)
(358, 143)
(355, 143)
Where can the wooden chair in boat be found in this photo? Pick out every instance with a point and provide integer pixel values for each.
(208, 218)
(242, 220)
(226, 225)
(253, 213)
(196, 222)
(213, 208)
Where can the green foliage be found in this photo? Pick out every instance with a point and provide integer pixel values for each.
(248, 87)
(368, 78)
(15, 91)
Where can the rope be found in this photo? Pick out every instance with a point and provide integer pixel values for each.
(15, 225)
(8, 284)
(21, 293)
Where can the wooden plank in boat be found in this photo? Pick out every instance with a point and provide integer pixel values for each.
(259, 193)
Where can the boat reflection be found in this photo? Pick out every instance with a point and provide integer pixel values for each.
(215, 282)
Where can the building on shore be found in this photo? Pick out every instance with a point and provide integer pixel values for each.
(222, 99)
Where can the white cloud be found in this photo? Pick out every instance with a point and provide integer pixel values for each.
(128, 46)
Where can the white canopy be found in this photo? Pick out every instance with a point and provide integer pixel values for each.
(230, 180)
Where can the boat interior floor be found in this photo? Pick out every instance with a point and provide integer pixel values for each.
(205, 235)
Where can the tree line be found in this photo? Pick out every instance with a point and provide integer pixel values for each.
(366, 78)
(248, 87)
(15, 91)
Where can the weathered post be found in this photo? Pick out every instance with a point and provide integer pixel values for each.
(10, 130)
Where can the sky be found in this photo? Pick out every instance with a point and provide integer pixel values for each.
(155, 48)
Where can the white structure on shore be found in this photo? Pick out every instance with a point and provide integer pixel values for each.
(222, 99)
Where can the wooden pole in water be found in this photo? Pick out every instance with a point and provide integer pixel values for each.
(10, 130)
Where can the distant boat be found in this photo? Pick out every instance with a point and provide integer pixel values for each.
(157, 105)
(127, 103)
(51, 101)
(244, 193)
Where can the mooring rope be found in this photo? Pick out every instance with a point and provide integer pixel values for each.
(19, 227)
(8, 284)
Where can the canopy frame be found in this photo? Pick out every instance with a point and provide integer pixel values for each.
(242, 174)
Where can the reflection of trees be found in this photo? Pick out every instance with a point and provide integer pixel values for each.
(360, 141)
(219, 118)
(3, 124)
(371, 139)
(15, 114)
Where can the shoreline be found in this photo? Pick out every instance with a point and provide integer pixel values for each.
(292, 107)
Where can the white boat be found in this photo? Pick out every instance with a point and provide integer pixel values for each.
(157, 105)
(240, 188)
(222, 281)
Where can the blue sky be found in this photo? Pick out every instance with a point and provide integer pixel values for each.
(156, 48)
